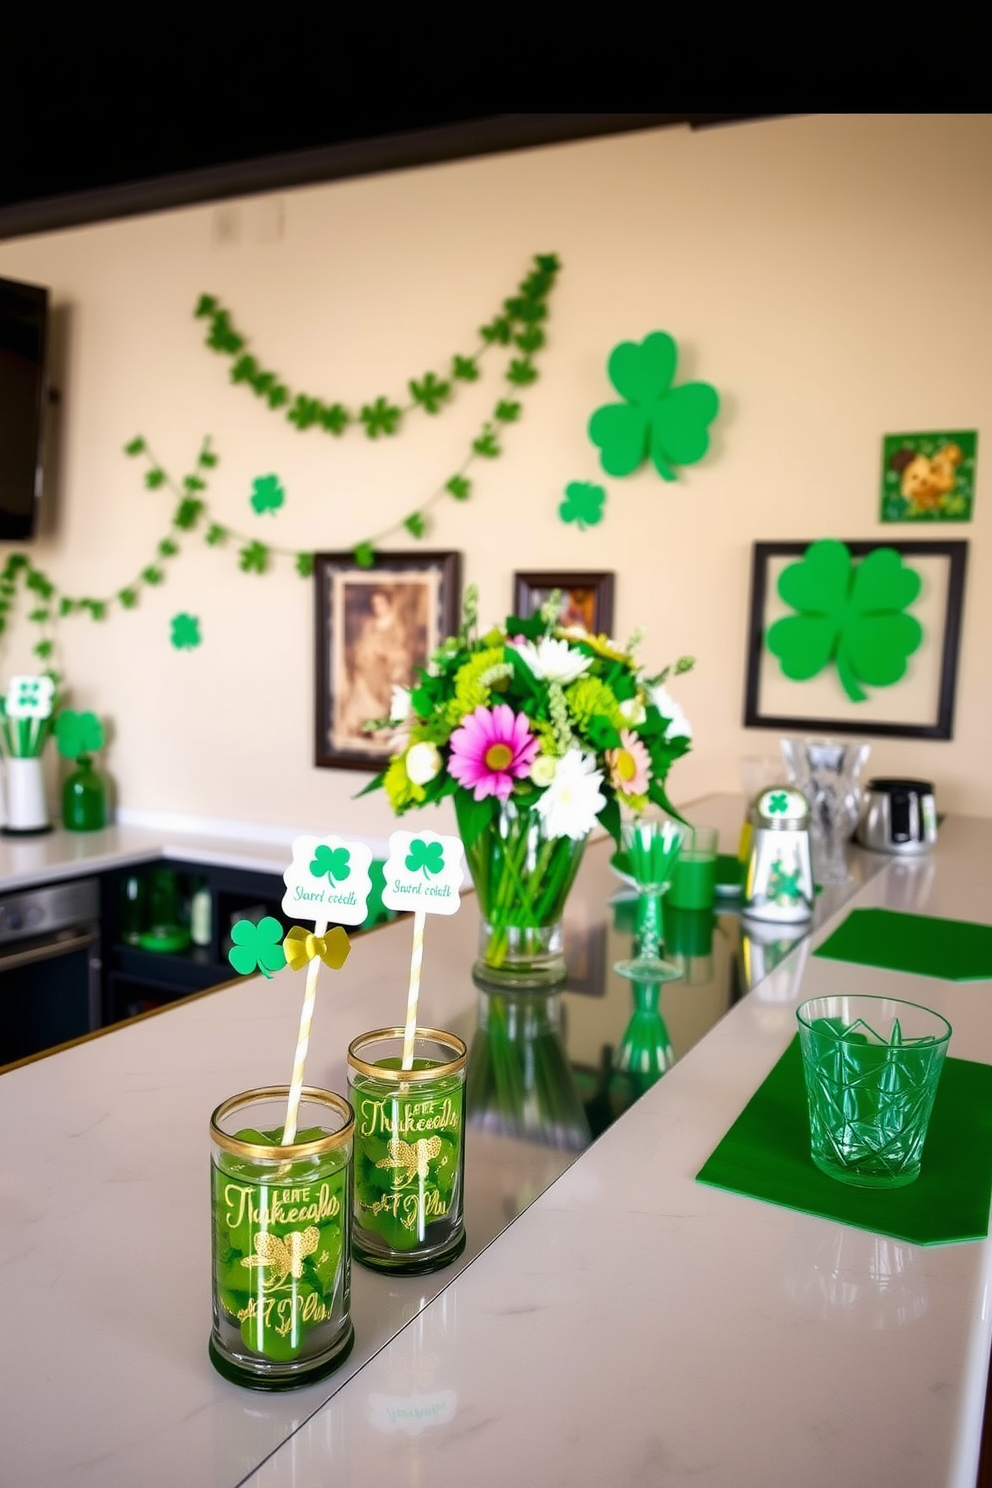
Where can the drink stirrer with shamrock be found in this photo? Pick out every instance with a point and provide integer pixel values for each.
(330, 877)
(423, 873)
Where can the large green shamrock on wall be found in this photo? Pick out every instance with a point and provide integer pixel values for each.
(669, 424)
(849, 614)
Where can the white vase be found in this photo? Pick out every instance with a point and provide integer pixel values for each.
(27, 809)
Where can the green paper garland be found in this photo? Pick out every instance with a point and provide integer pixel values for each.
(517, 324)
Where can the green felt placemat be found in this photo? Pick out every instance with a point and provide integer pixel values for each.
(957, 950)
(765, 1155)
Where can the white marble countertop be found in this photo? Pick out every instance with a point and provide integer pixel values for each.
(630, 1326)
(58, 854)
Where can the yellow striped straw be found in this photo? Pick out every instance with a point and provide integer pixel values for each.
(302, 1042)
(416, 961)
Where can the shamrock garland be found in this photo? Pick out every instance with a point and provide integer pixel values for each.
(517, 324)
(849, 615)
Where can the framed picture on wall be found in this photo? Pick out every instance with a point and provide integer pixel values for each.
(842, 632)
(374, 628)
(588, 597)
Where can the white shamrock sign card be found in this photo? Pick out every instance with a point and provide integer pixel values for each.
(328, 880)
(423, 872)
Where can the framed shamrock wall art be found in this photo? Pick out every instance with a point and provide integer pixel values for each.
(374, 628)
(588, 597)
(855, 637)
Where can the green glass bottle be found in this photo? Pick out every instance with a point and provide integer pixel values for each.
(84, 798)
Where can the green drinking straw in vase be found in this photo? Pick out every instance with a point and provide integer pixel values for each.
(652, 848)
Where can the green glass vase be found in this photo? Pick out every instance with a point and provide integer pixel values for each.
(84, 798)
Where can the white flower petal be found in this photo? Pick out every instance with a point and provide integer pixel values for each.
(573, 800)
(679, 726)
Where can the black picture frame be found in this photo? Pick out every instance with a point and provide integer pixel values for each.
(590, 595)
(364, 644)
(866, 721)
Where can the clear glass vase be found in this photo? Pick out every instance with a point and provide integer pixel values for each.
(522, 878)
(828, 772)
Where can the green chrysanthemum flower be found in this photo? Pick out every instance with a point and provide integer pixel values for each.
(590, 698)
(399, 787)
(471, 691)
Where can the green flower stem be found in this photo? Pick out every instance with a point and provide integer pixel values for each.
(515, 893)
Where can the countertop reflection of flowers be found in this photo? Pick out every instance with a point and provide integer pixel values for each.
(540, 715)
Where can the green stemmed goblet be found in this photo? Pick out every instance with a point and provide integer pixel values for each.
(651, 847)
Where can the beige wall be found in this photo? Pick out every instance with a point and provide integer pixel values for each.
(830, 275)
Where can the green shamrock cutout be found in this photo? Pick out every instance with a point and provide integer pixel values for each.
(257, 947)
(185, 634)
(668, 423)
(334, 861)
(380, 417)
(78, 734)
(782, 885)
(583, 504)
(849, 615)
(425, 856)
(778, 802)
(27, 693)
(267, 495)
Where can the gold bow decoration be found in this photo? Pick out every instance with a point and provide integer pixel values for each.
(302, 946)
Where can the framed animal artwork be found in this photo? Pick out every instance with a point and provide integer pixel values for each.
(928, 477)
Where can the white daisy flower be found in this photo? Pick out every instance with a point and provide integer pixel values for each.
(554, 660)
(573, 800)
(399, 707)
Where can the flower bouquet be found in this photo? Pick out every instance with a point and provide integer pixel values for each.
(538, 731)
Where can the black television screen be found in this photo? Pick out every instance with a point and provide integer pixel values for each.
(23, 328)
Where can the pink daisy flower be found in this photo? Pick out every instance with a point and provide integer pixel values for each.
(490, 750)
(629, 766)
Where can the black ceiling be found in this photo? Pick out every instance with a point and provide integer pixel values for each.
(147, 143)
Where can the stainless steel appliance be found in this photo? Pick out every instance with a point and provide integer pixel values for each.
(50, 967)
(898, 816)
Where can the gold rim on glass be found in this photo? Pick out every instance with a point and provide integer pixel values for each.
(292, 1150)
(402, 1076)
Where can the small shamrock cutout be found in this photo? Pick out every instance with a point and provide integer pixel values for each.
(257, 947)
(849, 615)
(782, 885)
(430, 393)
(267, 495)
(332, 861)
(78, 733)
(30, 697)
(427, 857)
(669, 424)
(583, 504)
(185, 634)
(380, 417)
(778, 802)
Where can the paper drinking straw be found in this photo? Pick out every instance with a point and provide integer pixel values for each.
(416, 961)
(302, 1042)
